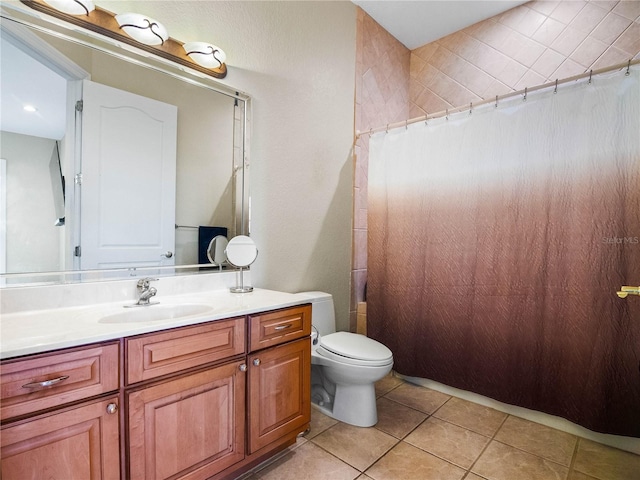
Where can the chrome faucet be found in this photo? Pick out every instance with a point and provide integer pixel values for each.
(146, 291)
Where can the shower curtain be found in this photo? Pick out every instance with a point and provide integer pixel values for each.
(497, 241)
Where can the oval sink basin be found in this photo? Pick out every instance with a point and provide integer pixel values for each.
(156, 312)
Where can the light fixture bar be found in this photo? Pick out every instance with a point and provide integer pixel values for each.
(104, 22)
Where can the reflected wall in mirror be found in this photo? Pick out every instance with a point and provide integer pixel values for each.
(210, 185)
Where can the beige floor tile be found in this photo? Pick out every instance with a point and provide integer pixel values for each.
(319, 423)
(448, 441)
(580, 476)
(480, 419)
(606, 463)
(419, 398)
(397, 419)
(359, 447)
(387, 384)
(473, 476)
(410, 463)
(503, 462)
(538, 439)
(309, 462)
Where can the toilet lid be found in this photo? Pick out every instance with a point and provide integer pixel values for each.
(356, 347)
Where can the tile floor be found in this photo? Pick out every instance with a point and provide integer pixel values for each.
(427, 435)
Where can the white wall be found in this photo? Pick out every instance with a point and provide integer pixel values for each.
(303, 132)
(32, 242)
(297, 61)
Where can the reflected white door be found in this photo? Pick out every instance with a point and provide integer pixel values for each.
(128, 179)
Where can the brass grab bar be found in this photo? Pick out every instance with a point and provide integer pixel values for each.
(626, 290)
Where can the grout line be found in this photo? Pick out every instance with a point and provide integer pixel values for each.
(487, 445)
(346, 462)
(575, 454)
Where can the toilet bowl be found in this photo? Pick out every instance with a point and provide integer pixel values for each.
(344, 367)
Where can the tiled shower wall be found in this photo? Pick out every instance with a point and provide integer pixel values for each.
(529, 45)
(526, 46)
(382, 96)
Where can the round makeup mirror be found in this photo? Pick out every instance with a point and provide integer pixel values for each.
(216, 250)
(241, 252)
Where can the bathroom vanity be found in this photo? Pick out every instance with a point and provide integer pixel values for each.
(206, 395)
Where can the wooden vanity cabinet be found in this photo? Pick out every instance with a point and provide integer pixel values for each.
(279, 383)
(189, 427)
(47, 432)
(82, 442)
(279, 392)
(190, 424)
(204, 401)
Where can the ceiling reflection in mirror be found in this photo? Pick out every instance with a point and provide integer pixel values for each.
(211, 174)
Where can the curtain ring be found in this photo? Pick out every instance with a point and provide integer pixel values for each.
(426, 117)
(406, 124)
(447, 114)
(370, 132)
(387, 130)
(524, 99)
(590, 75)
(496, 105)
(555, 90)
(627, 73)
(470, 108)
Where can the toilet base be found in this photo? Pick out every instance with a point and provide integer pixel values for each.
(364, 396)
(341, 406)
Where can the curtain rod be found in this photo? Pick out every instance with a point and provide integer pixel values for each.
(524, 92)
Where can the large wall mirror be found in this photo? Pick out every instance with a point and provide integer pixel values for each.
(48, 196)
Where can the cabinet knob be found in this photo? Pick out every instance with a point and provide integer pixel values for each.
(243, 367)
(256, 362)
(112, 408)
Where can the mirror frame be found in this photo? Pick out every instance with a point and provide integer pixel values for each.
(41, 22)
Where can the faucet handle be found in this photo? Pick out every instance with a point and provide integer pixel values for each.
(143, 283)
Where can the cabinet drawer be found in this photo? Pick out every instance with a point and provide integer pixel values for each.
(274, 328)
(45, 381)
(158, 354)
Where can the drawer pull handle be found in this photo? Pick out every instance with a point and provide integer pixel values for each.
(46, 383)
(112, 408)
(283, 327)
(256, 362)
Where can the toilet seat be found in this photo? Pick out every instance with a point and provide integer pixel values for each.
(354, 349)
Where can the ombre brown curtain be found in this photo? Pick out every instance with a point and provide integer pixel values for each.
(497, 242)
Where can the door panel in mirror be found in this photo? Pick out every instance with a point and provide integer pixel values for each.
(128, 179)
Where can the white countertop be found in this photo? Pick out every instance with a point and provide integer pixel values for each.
(35, 331)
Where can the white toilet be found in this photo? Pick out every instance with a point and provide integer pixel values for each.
(344, 367)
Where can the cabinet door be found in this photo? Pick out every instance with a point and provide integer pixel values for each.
(190, 427)
(279, 392)
(82, 442)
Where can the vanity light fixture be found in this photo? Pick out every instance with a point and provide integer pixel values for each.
(73, 7)
(143, 29)
(139, 31)
(205, 54)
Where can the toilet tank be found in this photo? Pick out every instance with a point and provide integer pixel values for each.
(323, 315)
